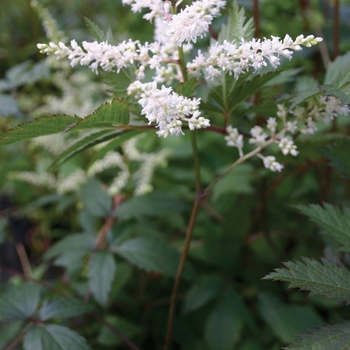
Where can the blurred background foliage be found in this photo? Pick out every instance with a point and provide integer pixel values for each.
(244, 231)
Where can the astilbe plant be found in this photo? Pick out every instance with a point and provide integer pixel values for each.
(158, 87)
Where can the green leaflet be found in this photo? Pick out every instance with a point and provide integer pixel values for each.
(333, 221)
(324, 338)
(327, 279)
(236, 28)
(102, 268)
(53, 337)
(152, 254)
(38, 127)
(63, 308)
(19, 303)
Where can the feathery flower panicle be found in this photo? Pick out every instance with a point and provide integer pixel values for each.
(168, 109)
(193, 21)
(238, 58)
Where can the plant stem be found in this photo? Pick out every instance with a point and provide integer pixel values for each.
(256, 19)
(179, 273)
(19, 338)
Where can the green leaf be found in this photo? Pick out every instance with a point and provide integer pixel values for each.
(83, 242)
(324, 338)
(85, 143)
(95, 31)
(188, 88)
(286, 321)
(102, 268)
(152, 204)
(19, 303)
(338, 154)
(38, 127)
(152, 254)
(338, 93)
(224, 325)
(95, 198)
(71, 251)
(326, 278)
(335, 222)
(63, 308)
(231, 94)
(109, 115)
(203, 292)
(236, 29)
(53, 337)
(337, 70)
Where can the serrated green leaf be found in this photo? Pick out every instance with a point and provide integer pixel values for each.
(335, 222)
(152, 204)
(95, 198)
(337, 70)
(109, 115)
(203, 292)
(53, 337)
(224, 324)
(19, 303)
(38, 127)
(76, 243)
(63, 308)
(102, 268)
(188, 88)
(236, 29)
(326, 278)
(85, 143)
(286, 320)
(95, 31)
(152, 254)
(338, 93)
(324, 338)
(338, 154)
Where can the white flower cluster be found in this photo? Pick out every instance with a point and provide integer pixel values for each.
(193, 21)
(238, 58)
(321, 109)
(167, 109)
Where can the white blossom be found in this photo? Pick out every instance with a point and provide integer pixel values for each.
(193, 21)
(258, 135)
(287, 146)
(234, 139)
(272, 125)
(237, 58)
(168, 109)
(271, 163)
